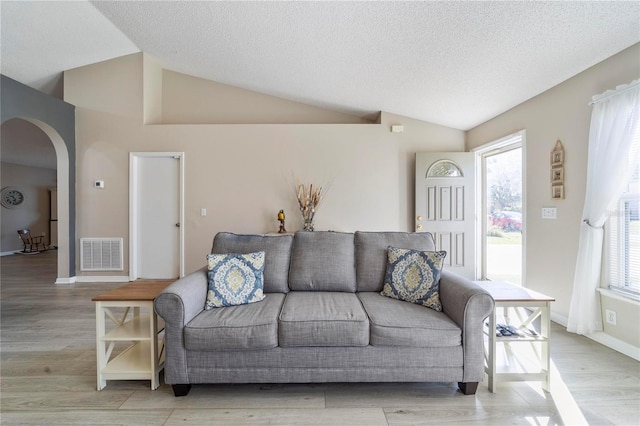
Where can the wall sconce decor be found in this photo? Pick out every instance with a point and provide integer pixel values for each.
(557, 171)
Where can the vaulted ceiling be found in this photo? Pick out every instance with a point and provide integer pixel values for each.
(454, 63)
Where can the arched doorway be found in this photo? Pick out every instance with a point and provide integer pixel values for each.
(56, 119)
(39, 168)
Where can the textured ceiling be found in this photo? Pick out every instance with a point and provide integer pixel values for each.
(39, 40)
(452, 63)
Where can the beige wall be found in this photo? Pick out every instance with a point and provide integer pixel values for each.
(33, 214)
(417, 136)
(191, 100)
(559, 113)
(240, 172)
(152, 90)
(627, 327)
(110, 86)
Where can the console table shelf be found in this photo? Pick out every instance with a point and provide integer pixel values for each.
(139, 325)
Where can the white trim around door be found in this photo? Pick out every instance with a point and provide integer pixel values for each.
(134, 159)
(514, 140)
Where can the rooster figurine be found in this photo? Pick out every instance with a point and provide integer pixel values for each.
(282, 230)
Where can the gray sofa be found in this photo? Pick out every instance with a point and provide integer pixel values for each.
(323, 319)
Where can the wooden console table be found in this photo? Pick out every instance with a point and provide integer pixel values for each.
(518, 307)
(141, 360)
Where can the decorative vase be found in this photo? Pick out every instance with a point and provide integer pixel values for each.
(308, 201)
(308, 225)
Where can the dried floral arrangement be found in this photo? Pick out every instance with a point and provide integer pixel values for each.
(309, 199)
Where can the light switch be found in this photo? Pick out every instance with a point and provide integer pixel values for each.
(203, 212)
(549, 213)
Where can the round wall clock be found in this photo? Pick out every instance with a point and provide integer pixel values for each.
(11, 197)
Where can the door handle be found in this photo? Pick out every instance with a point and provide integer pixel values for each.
(178, 225)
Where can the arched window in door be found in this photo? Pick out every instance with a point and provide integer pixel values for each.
(444, 168)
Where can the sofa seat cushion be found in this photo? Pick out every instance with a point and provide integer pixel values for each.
(311, 318)
(398, 323)
(252, 326)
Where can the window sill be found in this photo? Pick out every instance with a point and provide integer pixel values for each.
(619, 295)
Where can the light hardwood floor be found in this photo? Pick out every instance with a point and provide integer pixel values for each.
(48, 366)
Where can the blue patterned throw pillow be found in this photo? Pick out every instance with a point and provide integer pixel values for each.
(234, 279)
(414, 276)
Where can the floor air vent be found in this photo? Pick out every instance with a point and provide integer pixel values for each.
(101, 254)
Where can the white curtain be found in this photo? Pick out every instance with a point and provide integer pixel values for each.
(614, 119)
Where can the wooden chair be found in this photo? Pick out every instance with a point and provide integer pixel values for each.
(31, 244)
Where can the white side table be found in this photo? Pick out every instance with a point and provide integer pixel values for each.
(519, 307)
(142, 359)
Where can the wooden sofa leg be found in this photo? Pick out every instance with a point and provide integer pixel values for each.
(467, 388)
(181, 390)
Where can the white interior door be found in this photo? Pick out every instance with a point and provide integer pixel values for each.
(156, 202)
(445, 206)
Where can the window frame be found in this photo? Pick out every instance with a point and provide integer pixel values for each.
(617, 233)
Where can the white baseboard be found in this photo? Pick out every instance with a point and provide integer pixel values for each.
(103, 279)
(69, 280)
(604, 339)
(616, 344)
(8, 253)
(559, 319)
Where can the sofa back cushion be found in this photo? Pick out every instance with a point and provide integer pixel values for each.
(323, 261)
(371, 254)
(277, 250)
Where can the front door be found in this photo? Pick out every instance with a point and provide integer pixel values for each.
(445, 206)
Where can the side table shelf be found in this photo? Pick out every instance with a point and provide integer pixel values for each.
(132, 363)
(517, 307)
(137, 328)
(143, 359)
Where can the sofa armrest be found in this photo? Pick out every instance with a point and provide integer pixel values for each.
(468, 305)
(178, 304)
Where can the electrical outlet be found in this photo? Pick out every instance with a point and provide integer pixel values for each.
(611, 316)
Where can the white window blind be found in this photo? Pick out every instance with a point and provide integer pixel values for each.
(623, 231)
